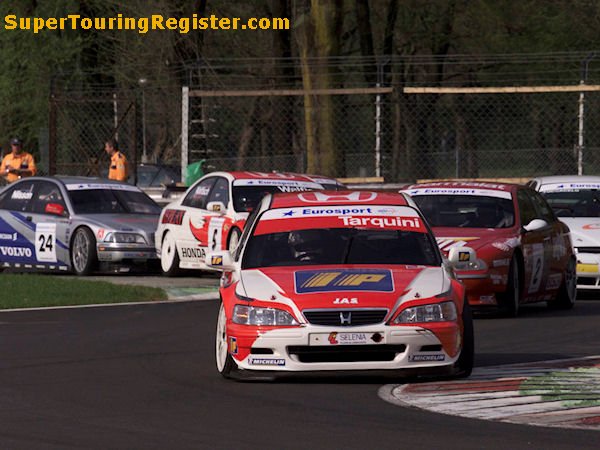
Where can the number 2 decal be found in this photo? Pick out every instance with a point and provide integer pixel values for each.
(45, 242)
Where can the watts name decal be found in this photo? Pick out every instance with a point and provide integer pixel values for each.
(308, 281)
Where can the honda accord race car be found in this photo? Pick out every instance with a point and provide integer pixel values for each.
(524, 252)
(576, 202)
(74, 223)
(212, 213)
(337, 281)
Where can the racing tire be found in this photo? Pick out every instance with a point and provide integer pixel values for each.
(509, 300)
(567, 293)
(234, 239)
(84, 257)
(169, 257)
(464, 365)
(225, 363)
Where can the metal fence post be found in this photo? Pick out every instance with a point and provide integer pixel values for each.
(185, 107)
(52, 137)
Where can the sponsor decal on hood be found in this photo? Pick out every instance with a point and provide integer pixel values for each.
(309, 281)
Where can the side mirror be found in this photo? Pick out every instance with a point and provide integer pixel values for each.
(55, 209)
(535, 224)
(221, 260)
(460, 257)
(218, 207)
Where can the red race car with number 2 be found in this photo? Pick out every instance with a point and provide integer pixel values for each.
(524, 253)
(212, 213)
(340, 281)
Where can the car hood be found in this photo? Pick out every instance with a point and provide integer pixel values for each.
(478, 239)
(310, 287)
(585, 231)
(123, 222)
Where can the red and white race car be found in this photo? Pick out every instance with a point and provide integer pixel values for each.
(524, 254)
(348, 280)
(212, 212)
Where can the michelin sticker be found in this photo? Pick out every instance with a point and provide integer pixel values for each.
(267, 361)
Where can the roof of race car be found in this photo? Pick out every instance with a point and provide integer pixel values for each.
(563, 183)
(567, 179)
(507, 187)
(327, 198)
(238, 175)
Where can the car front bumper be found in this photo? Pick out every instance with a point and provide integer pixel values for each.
(312, 348)
(121, 252)
(588, 271)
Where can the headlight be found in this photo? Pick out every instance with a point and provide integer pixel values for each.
(436, 312)
(478, 264)
(125, 238)
(252, 315)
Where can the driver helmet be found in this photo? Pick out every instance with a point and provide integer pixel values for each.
(307, 245)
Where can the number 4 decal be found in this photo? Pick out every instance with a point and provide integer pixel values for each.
(45, 242)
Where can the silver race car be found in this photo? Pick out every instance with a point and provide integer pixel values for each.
(75, 224)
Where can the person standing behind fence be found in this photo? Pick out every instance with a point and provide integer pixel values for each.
(18, 163)
(118, 162)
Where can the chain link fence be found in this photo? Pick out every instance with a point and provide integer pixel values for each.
(246, 121)
(80, 124)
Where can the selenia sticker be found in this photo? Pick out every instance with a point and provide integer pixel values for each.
(45, 242)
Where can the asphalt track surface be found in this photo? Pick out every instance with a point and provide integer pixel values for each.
(143, 377)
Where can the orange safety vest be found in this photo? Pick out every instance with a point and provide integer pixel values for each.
(23, 160)
(118, 167)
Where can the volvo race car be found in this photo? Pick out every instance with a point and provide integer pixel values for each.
(524, 252)
(75, 224)
(576, 202)
(340, 281)
(212, 213)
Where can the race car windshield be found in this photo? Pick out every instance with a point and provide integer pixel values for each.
(585, 203)
(112, 201)
(336, 246)
(466, 211)
(245, 198)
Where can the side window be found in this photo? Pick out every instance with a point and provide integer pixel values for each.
(18, 197)
(247, 228)
(527, 210)
(544, 210)
(46, 193)
(198, 195)
(220, 192)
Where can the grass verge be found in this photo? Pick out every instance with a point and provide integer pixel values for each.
(31, 291)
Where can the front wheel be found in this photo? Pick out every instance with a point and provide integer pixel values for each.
(83, 252)
(169, 258)
(225, 363)
(464, 365)
(567, 293)
(511, 298)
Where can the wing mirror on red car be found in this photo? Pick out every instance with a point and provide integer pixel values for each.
(535, 224)
(461, 257)
(221, 260)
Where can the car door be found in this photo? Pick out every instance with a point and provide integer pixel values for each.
(49, 214)
(17, 233)
(193, 236)
(556, 248)
(219, 223)
(535, 244)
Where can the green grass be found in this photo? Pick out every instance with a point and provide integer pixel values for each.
(29, 291)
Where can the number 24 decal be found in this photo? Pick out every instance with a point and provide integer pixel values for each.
(46, 243)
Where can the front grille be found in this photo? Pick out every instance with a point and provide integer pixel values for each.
(345, 317)
(345, 353)
(588, 249)
(586, 281)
